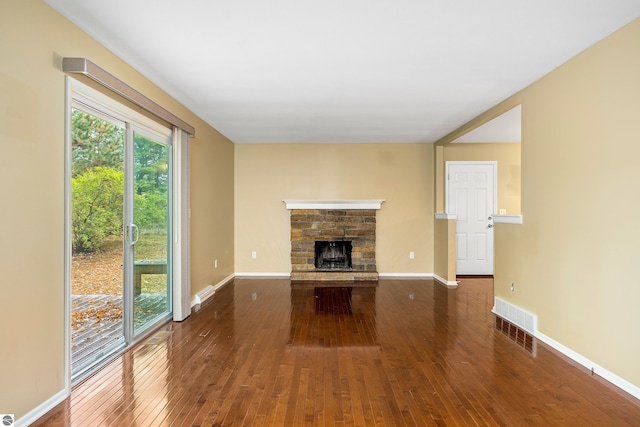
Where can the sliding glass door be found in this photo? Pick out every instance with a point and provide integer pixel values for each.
(152, 220)
(120, 230)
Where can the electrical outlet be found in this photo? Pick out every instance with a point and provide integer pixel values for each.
(254, 255)
(412, 255)
(513, 287)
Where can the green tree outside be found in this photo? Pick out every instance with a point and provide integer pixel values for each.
(97, 203)
(98, 181)
(95, 142)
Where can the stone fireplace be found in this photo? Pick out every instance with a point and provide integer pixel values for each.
(333, 240)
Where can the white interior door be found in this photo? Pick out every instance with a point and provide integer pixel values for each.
(471, 195)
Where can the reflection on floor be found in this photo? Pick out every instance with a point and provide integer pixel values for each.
(333, 316)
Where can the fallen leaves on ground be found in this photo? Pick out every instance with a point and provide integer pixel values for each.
(108, 311)
(100, 273)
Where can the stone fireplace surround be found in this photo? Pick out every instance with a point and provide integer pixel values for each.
(343, 220)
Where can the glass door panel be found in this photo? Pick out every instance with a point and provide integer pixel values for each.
(97, 197)
(152, 234)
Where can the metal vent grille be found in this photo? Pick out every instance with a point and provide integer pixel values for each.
(524, 319)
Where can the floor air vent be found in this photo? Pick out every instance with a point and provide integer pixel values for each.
(518, 324)
(158, 337)
(519, 336)
(516, 315)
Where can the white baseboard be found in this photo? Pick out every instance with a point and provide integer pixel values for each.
(263, 274)
(447, 283)
(203, 296)
(594, 367)
(223, 282)
(407, 275)
(33, 415)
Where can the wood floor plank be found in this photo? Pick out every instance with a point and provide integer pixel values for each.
(263, 352)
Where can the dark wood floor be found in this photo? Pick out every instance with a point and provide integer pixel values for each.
(408, 352)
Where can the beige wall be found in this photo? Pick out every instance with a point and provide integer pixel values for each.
(574, 259)
(212, 204)
(508, 157)
(33, 39)
(401, 174)
(445, 249)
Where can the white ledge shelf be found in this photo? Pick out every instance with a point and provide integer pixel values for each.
(507, 219)
(333, 204)
(442, 215)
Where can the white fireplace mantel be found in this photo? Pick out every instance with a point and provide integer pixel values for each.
(333, 204)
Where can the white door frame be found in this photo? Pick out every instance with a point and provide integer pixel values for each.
(494, 165)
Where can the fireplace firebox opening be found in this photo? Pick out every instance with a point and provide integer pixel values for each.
(333, 255)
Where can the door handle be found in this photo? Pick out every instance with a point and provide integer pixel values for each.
(490, 226)
(133, 227)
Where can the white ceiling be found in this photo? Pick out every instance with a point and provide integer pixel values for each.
(344, 70)
(504, 128)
